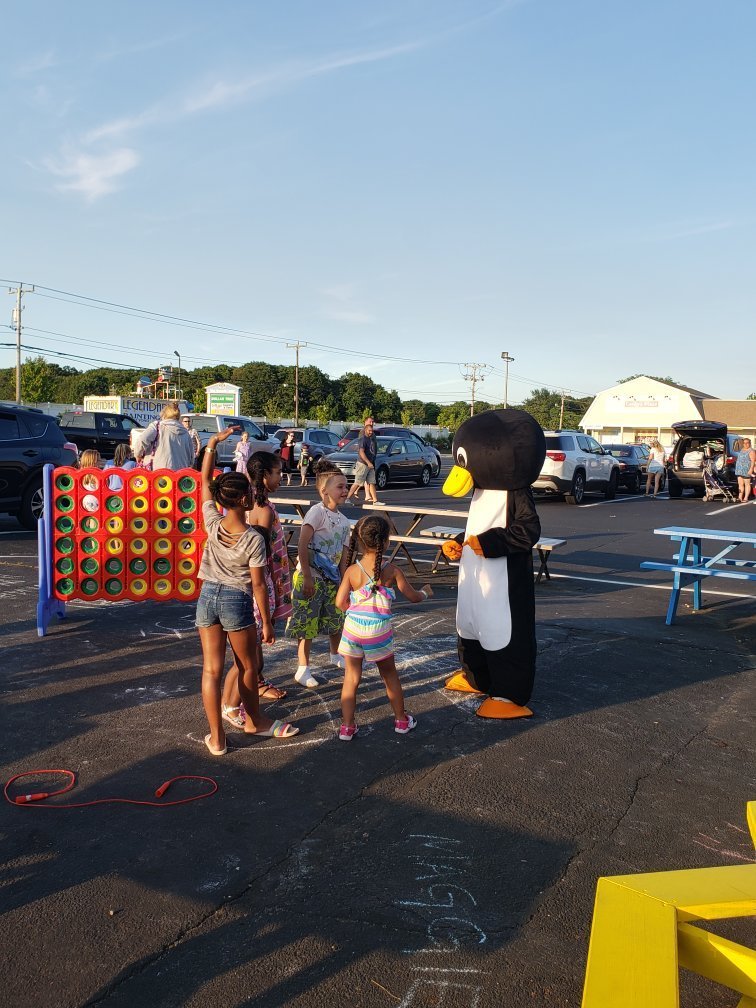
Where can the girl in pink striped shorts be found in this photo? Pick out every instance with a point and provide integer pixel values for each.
(366, 598)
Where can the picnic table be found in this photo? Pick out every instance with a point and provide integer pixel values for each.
(690, 566)
(543, 547)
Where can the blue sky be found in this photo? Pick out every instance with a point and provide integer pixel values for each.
(570, 181)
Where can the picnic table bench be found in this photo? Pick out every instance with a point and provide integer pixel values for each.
(690, 566)
(544, 546)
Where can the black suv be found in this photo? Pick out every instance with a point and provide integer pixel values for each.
(28, 441)
(697, 441)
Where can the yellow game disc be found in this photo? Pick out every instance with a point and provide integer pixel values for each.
(138, 587)
(138, 546)
(162, 546)
(114, 525)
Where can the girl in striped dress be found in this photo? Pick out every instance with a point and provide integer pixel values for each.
(366, 598)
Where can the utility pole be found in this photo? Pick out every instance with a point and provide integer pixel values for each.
(506, 358)
(19, 292)
(473, 374)
(561, 412)
(296, 346)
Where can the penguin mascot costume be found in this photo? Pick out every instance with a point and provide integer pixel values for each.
(498, 454)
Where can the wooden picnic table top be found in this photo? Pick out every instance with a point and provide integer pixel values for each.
(680, 532)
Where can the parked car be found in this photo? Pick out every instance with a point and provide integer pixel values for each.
(397, 459)
(269, 429)
(633, 465)
(576, 465)
(388, 431)
(29, 439)
(101, 431)
(207, 424)
(698, 440)
(319, 440)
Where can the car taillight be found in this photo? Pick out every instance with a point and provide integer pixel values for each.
(556, 456)
(623, 465)
(730, 460)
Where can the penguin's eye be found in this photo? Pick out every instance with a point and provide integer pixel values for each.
(461, 459)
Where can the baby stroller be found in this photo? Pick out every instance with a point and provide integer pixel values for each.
(714, 486)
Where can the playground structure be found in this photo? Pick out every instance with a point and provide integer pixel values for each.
(118, 535)
(163, 387)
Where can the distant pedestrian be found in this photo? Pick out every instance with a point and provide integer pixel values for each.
(287, 456)
(745, 463)
(656, 460)
(364, 470)
(187, 424)
(242, 452)
(122, 459)
(304, 463)
(167, 441)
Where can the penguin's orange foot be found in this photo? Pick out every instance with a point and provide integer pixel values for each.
(460, 683)
(503, 709)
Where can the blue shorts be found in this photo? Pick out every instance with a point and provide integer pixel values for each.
(229, 607)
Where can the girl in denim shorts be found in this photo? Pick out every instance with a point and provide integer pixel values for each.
(231, 571)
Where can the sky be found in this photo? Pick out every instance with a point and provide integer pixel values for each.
(409, 187)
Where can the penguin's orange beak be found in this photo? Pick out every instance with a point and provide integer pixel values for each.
(458, 483)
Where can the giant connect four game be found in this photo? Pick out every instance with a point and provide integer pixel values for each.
(120, 535)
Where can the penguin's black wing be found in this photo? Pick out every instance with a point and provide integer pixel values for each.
(523, 527)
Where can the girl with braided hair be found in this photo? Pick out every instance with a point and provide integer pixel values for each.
(231, 571)
(264, 472)
(365, 594)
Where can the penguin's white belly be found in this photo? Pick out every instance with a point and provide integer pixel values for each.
(483, 612)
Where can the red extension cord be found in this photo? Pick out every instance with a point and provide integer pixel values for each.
(40, 796)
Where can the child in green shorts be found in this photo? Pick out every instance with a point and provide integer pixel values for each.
(321, 561)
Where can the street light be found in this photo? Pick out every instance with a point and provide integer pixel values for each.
(177, 354)
(506, 358)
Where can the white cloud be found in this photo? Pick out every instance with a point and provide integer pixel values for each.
(92, 175)
(353, 317)
(36, 64)
(341, 306)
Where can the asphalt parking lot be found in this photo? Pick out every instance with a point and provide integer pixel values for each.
(453, 867)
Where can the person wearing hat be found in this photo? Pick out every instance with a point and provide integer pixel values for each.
(364, 470)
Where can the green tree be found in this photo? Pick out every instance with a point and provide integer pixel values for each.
(453, 415)
(37, 380)
(751, 396)
(413, 412)
(358, 395)
(322, 415)
(667, 380)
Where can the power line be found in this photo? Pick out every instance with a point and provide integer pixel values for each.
(473, 373)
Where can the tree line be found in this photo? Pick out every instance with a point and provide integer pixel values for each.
(267, 390)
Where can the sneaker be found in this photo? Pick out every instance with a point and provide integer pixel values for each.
(306, 677)
(234, 715)
(338, 661)
(347, 732)
(405, 727)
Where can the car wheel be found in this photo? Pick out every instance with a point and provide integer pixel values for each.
(611, 487)
(576, 494)
(381, 478)
(675, 486)
(31, 508)
(425, 477)
(634, 486)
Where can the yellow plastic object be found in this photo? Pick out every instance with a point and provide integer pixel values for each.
(642, 934)
(751, 817)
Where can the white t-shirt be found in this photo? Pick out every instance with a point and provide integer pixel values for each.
(229, 565)
(330, 531)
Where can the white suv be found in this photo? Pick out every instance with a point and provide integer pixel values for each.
(575, 465)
